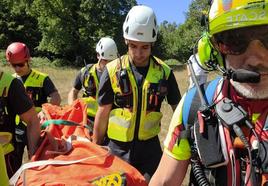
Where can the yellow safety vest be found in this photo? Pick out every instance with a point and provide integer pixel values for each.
(122, 121)
(5, 136)
(3, 173)
(5, 148)
(91, 100)
(5, 81)
(35, 81)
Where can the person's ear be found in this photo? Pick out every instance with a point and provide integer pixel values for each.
(28, 63)
(126, 41)
(98, 56)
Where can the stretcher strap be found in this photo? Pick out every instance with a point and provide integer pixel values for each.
(61, 122)
(13, 180)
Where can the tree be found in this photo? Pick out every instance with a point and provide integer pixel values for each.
(17, 25)
(177, 41)
(192, 29)
(71, 29)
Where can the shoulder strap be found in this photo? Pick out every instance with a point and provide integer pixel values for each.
(86, 68)
(192, 100)
(85, 71)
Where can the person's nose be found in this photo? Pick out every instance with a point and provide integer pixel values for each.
(17, 68)
(138, 52)
(256, 53)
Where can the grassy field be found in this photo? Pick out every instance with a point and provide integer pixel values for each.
(63, 79)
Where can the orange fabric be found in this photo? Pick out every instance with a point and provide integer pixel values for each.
(101, 169)
(264, 179)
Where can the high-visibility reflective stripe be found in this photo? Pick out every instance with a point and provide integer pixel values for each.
(119, 121)
(151, 124)
(92, 106)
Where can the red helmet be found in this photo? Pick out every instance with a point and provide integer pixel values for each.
(17, 52)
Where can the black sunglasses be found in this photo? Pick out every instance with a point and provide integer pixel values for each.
(18, 65)
(235, 42)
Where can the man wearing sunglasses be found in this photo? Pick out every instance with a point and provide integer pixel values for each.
(238, 42)
(37, 84)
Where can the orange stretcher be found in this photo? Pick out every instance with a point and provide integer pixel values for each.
(66, 155)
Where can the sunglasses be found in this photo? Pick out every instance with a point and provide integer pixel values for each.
(235, 42)
(18, 65)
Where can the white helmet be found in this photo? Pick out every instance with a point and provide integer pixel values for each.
(107, 49)
(140, 24)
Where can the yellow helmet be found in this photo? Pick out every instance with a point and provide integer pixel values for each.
(232, 14)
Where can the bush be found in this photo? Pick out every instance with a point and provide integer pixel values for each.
(61, 63)
(173, 62)
(35, 61)
(3, 57)
(40, 62)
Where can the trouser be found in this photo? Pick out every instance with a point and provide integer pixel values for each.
(143, 155)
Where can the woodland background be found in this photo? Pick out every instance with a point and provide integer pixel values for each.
(65, 32)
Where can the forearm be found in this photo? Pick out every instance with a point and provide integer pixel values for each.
(55, 98)
(101, 123)
(170, 172)
(33, 129)
(33, 136)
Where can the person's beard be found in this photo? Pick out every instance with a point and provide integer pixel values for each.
(250, 92)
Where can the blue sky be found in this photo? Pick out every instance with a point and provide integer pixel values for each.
(170, 10)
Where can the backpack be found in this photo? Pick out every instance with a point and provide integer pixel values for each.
(236, 168)
(191, 106)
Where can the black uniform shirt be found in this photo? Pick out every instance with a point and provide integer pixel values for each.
(18, 102)
(48, 85)
(78, 83)
(106, 94)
